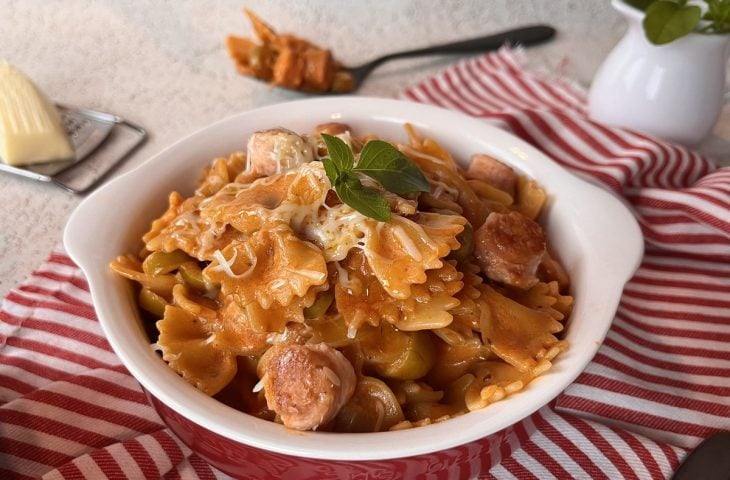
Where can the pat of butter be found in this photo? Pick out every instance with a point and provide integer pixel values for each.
(30, 127)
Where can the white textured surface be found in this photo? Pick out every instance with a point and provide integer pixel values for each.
(163, 65)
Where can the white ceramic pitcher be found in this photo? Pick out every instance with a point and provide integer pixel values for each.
(674, 91)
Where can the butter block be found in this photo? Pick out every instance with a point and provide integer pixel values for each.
(30, 126)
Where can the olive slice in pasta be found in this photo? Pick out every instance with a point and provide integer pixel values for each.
(453, 361)
(372, 408)
(396, 354)
(132, 269)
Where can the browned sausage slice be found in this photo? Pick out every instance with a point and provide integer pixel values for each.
(492, 171)
(306, 385)
(509, 247)
(276, 151)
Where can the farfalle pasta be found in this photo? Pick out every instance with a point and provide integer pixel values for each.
(269, 292)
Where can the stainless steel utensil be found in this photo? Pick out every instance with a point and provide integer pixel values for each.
(88, 131)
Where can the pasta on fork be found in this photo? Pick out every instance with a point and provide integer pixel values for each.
(335, 282)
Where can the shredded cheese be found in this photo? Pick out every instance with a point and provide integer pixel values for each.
(351, 331)
(343, 277)
(310, 274)
(225, 265)
(259, 385)
(331, 376)
(407, 243)
(278, 283)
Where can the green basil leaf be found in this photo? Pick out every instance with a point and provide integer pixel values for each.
(339, 152)
(393, 170)
(666, 21)
(718, 14)
(333, 173)
(367, 201)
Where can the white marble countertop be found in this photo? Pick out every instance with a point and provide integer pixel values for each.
(164, 65)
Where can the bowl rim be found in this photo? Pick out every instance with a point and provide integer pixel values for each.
(200, 409)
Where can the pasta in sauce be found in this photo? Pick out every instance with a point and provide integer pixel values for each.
(264, 290)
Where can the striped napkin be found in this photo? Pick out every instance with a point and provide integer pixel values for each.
(659, 384)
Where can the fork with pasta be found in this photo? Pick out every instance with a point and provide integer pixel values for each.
(267, 291)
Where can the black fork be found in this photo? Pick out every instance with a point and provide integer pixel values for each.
(531, 35)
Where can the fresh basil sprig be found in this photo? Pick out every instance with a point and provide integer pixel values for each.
(718, 14)
(380, 161)
(668, 20)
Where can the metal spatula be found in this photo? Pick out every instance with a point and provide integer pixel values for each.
(90, 132)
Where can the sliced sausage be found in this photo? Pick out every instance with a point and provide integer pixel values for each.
(306, 385)
(288, 70)
(319, 69)
(483, 167)
(509, 248)
(276, 151)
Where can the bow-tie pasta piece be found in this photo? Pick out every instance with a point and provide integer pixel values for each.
(221, 172)
(521, 336)
(361, 299)
(430, 305)
(293, 197)
(400, 252)
(190, 347)
(467, 313)
(181, 227)
(247, 206)
(492, 382)
(440, 168)
(545, 297)
(249, 329)
(274, 265)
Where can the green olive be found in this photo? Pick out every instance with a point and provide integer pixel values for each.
(330, 329)
(415, 360)
(320, 305)
(192, 275)
(151, 302)
(395, 354)
(466, 240)
(158, 263)
(372, 408)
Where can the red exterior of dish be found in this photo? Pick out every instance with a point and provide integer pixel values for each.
(242, 461)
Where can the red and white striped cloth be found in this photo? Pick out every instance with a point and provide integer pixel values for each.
(658, 385)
